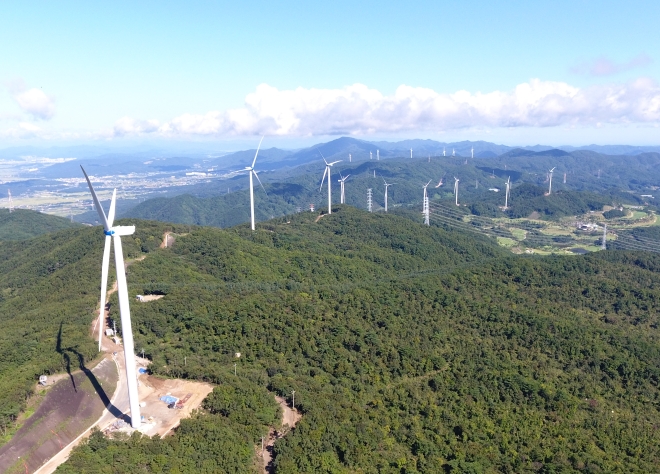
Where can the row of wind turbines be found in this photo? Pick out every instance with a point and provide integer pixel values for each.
(342, 180)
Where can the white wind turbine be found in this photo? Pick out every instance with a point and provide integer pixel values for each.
(115, 233)
(251, 171)
(453, 152)
(550, 187)
(444, 151)
(387, 185)
(506, 194)
(342, 198)
(327, 172)
(472, 150)
(411, 153)
(456, 180)
(350, 159)
(425, 206)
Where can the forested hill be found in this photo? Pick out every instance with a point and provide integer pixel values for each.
(482, 185)
(411, 349)
(24, 224)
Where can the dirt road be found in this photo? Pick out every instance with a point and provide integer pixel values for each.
(289, 419)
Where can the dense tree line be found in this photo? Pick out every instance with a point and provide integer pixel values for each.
(411, 349)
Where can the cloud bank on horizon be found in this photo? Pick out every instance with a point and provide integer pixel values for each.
(359, 110)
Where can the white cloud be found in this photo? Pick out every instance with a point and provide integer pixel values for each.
(360, 110)
(23, 130)
(130, 126)
(606, 67)
(33, 101)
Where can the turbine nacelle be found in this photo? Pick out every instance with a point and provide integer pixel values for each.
(120, 230)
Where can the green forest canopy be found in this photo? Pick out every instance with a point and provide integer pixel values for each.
(411, 349)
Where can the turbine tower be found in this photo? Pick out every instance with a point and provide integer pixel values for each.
(327, 172)
(425, 205)
(453, 152)
(115, 233)
(444, 151)
(371, 156)
(456, 180)
(472, 150)
(251, 171)
(411, 153)
(603, 244)
(350, 159)
(11, 202)
(550, 187)
(377, 155)
(506, 194)
(341, 184)
(387, 185)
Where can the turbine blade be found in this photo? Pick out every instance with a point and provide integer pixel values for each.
(105, 263)
(346, 177)
(322, 156)
(257, 176)
(111, 213)
(334, 162)
(255, 155)
(99, 209)
(323, 180)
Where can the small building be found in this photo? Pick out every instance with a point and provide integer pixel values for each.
(237, 355)
(140, 298)
(109, 332)
(43, 379)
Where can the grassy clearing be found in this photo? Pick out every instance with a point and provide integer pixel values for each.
(506, 242)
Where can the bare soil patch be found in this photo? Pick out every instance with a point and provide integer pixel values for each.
(159, 419)
(147, 298)
(69, 407)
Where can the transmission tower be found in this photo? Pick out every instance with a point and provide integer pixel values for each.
(426, 211)
(603, 245)
(369, 203)
(11, 202)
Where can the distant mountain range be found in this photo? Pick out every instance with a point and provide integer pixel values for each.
(106, 161)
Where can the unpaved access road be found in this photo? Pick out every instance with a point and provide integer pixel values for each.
(289, 418)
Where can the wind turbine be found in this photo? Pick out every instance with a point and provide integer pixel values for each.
(377, 155)
(411, 153)
(440, 183)
(341, 183)
(506, 194)
(251, 171)
(115, 233)
(425, 205)
(550, 187)
(472, 150)
(453, 152)
(387, 186)
(456, 180)
(327, 172)
(350, 159)
(371, 156)
(444, 151)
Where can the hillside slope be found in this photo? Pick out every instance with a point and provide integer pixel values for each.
(410, 349)
(22, 224)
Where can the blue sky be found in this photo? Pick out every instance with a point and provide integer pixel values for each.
(555, 72)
